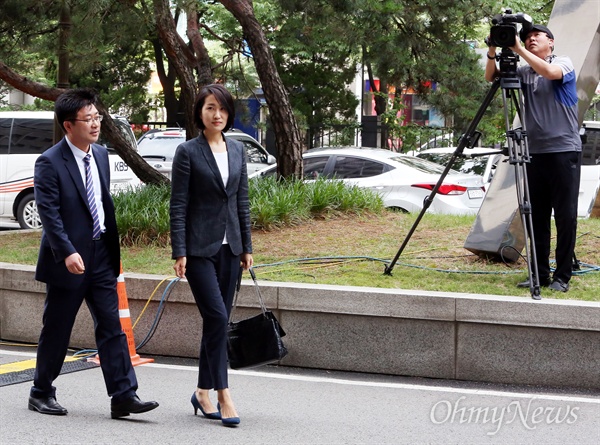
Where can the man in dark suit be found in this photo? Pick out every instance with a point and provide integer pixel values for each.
(79, 257)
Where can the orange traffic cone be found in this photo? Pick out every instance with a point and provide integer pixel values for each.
(125, 324)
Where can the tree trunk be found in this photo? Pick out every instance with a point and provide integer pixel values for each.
(288, 142)
(167, 80)
(128, 153)
(182, 59)
(203, 67)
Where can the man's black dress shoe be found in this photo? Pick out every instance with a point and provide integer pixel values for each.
(46, 405)
(132, 405)
(559, 285)
(543, 283)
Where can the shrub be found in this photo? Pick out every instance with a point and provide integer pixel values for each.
(143, 213)
(276, 203)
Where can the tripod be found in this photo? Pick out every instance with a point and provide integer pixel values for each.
(518, 155)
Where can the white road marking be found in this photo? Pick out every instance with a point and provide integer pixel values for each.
(333, 380)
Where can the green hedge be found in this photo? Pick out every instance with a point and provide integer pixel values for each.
(143, 213)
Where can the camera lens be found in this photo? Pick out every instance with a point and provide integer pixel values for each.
(503, 35)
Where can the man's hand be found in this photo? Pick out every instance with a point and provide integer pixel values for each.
(518, 46)
(491, 70)
(74, 264)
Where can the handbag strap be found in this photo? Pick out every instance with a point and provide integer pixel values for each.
(263, 308)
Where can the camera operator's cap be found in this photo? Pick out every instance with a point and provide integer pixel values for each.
(540, 28)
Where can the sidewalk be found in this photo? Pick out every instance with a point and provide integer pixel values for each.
(279, 405)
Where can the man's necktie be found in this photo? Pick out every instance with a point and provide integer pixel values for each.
(89, 188)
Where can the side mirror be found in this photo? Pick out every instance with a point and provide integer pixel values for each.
(271, 159)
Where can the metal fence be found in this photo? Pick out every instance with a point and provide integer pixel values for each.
(370, 133)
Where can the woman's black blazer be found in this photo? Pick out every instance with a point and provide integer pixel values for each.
(202, 208)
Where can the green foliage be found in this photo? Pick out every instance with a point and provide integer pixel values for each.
(110, 55)
(411, 136)
(143, 215)
(288, 202)
(316, 45)
(277, 204)
(38, 105)
(231, 63)
(399, 135)
(423, 46)
(592, 113)
(427, 41)
(315, 60)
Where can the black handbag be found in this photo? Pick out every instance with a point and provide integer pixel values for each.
(254, 341)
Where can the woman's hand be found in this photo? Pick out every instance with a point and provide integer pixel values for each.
(246, 261)
(179, 266)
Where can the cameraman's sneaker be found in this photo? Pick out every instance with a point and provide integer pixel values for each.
(544, 282)
(559, 285)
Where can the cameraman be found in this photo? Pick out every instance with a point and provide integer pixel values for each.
(550, 96)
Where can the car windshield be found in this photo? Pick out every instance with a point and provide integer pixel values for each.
(159, 146)
(420, 164)
(474, 165)
(125, 130)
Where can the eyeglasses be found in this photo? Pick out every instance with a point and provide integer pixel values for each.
(90, 120)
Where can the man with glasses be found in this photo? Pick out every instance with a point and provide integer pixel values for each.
(79, 257)
(553, 175)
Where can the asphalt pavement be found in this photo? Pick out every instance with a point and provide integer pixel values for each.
(280, 405)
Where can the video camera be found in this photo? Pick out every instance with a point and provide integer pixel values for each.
(504, 30)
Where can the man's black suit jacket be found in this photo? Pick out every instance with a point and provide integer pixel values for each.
(67, 223)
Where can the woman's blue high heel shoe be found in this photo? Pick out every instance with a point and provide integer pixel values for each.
(197, 406)
(228, 421)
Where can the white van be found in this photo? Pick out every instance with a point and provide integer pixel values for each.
(24, 135)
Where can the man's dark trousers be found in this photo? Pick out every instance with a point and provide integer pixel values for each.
(553, 180)
(60, 310)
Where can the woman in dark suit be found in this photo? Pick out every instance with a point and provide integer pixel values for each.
(210, 237)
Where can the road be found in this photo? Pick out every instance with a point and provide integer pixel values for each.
(280, 405)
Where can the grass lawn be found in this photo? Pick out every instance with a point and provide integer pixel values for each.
(353, 250)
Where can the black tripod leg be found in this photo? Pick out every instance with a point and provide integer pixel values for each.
(464, 140)
(518, 156)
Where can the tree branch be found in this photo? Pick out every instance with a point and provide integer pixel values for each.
(122, 146)
(30, 87)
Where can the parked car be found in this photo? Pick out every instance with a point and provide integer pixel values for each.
(403, 181)
(24, 135)
(590, 170)
(477, 161)
(439, 141)
(158, 147)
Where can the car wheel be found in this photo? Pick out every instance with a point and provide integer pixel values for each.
(397, 209)
(27, 213)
